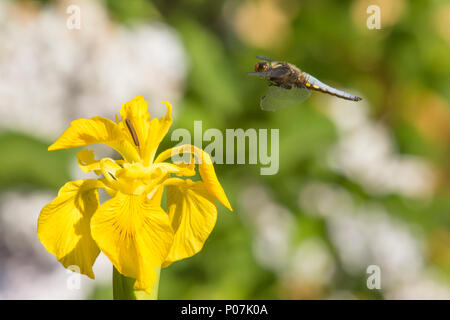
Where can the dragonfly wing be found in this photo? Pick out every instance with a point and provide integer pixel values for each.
(276, 73)
(278, 98)
(265, 74)
(265, 58)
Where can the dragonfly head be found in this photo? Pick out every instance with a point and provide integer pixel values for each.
(261, 66)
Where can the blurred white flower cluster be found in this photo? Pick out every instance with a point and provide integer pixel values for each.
(365, 234)
(49, 76)
(26, 266)
(273, 224)
(366, 154)
(305, 267)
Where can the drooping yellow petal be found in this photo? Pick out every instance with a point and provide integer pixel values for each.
(135, 234)
(84, 132)
(193, 214)
(205, 167)
(64, 225)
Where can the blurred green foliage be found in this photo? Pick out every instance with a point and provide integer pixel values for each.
(26, 161)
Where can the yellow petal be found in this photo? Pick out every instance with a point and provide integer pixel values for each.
(209, 177)
(153, 171)
(87, 162)
(193, 214)
(135, 112)
(157, 132)
(84, 132)
(106, 166)
(135, 234)
(64, 225)
(186, 169)
(205, 167)
(145, 132)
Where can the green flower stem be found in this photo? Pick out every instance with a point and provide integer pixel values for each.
(123, 287)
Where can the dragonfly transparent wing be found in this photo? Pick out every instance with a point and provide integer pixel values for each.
(278, 72)
(265, 58)
(278, 98)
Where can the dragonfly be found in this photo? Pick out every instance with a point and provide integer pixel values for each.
(289, 86)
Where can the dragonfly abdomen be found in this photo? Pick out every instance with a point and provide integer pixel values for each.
(312, 83)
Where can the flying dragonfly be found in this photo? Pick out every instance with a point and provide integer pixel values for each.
(289, 86)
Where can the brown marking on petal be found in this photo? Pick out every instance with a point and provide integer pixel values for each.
(133, 133)
(112, 176)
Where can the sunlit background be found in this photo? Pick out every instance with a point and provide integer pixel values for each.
(359, 184)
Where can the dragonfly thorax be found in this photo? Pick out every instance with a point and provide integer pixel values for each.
(261, 66)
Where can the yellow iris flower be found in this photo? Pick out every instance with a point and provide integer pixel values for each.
(131, 228)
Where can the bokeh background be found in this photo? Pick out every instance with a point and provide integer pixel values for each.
(359, 184)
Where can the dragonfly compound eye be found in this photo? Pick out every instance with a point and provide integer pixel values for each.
(261, 66)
